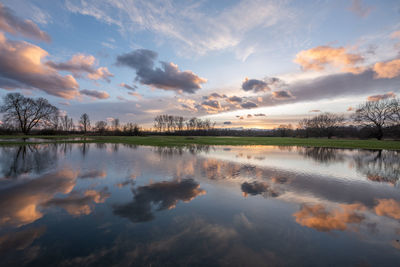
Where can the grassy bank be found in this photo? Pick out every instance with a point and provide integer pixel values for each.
(206, 140)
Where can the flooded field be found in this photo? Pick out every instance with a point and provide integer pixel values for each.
(124, 205)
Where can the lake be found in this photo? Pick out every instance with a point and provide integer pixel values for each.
(124, 205)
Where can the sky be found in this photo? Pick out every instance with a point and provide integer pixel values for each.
(240, 63)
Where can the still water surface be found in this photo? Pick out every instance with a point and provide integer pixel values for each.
(120, 205)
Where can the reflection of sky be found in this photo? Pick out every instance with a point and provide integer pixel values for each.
(282, 159)
(146, 205)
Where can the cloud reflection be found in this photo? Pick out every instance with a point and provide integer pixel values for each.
(163, 194)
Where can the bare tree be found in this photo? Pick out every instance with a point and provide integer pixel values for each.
(115, 124)
(67, 123)
(26, 113)
(322, 125)
(376, 114)
(85, 122)
(179, 123)
(395, 116)
(158, 123)
(101, 126)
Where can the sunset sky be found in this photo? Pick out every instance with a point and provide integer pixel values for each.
(241, 63)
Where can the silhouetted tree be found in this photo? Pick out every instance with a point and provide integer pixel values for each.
(101, 126)
(85, 122)
(395, 116)
(376, 114)
(26, 113)
(115, 124)
(67, 123)
(322, 125)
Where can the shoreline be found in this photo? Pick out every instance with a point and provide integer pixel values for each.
(205, 140)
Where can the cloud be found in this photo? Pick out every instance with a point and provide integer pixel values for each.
(320, 57)
(165, 195)
(79, 204)
(380, 97)
(282, 94)
(101, 73)
(21, 67)
(227, 122)
(129, 87)
(255, 85)
(315, 110)
(321, 219)
(211, 106)
(93, 174)
(137, 95)
(95, 94)
(350, 85)
(214, 96)
(20, 240)
(169, 21)
(80, 64)
(389, 69)
(20, 204)
(260, 115)
(254, 188)
(388, 207)
(168, 77)
(358, 8)
(15, 25)
(258, 188)
(395, 35)
(235, 99)
(248, 104)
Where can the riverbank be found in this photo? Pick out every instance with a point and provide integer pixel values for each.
(204, 140)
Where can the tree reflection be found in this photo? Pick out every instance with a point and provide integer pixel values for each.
(321, 154)
(379, 166)
(179, 150)
(17, 160)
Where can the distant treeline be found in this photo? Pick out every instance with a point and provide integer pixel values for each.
(27, 115)
(372, 119)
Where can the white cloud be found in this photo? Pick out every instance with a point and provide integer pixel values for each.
(190, 24)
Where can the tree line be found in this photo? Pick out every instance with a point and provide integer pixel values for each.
(372, 119)
(25, 114)
(170, 123)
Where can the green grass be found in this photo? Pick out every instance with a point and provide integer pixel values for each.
(209, 140)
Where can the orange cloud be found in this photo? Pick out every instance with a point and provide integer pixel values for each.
(93, 174)
(212, 106)
(80, 64)
(321, 219)
(320, 57)
(389, 69)
(380, 97)
(21, 67)
(388, 207)
(395, 35)
(77, 204)
(20, 204)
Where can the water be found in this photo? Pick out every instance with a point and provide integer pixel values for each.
(120, 205)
